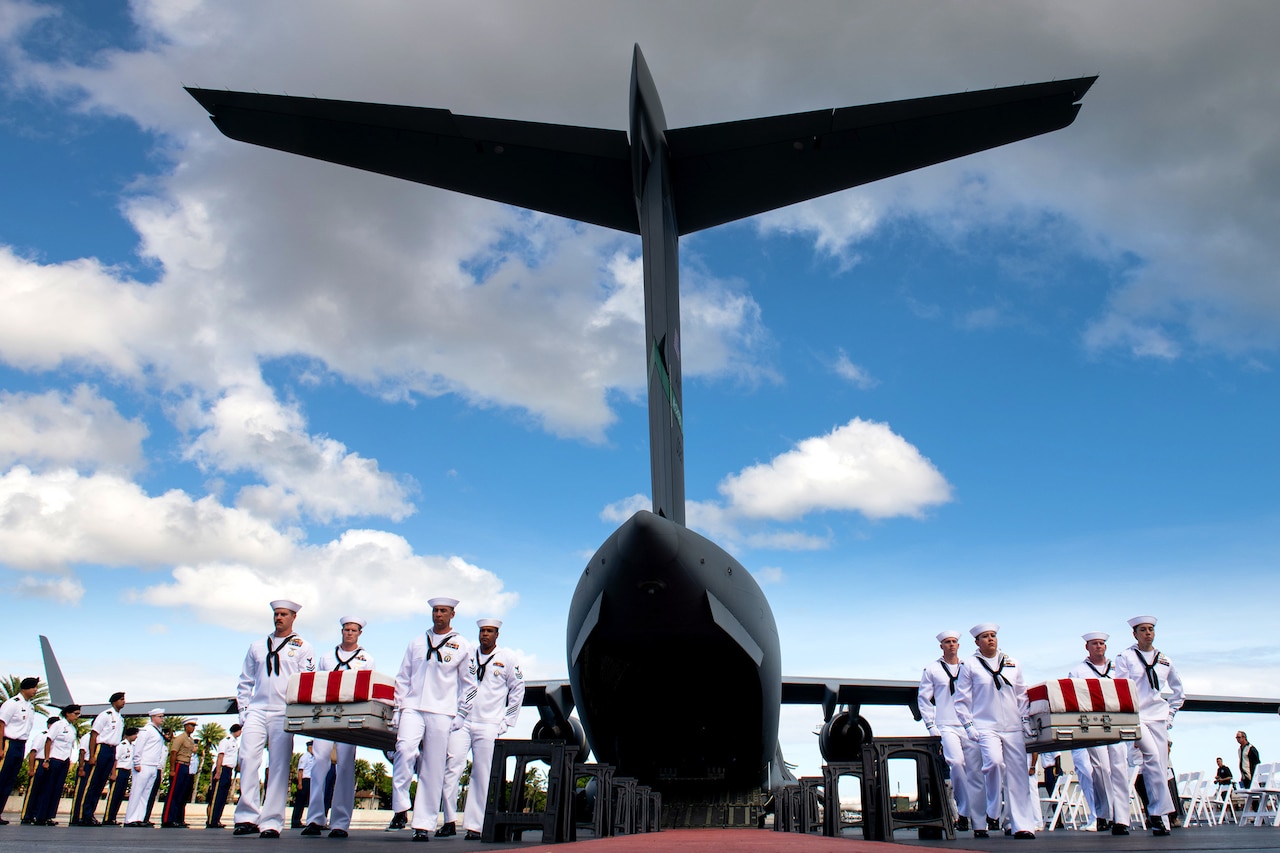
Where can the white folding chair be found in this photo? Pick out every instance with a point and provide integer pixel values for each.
(1226, 805)
(1135, 802)
(1198, 807)
(1055, 805)
(1260, 798)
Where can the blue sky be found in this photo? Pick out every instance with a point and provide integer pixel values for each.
(1035, 386)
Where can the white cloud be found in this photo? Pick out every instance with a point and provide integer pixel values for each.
(59, 590)
(368, 571)
(855, 374)
(53, 520)
(769, 575)
(862, 466)
(249, 429)
(80, 428)
(619, 511)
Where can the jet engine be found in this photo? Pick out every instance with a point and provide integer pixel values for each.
(571, 734)
(842, 737)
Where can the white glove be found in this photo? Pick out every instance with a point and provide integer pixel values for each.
(243, 714)
(458, 722)
(502, 729)
(395, 719)
(971, 733)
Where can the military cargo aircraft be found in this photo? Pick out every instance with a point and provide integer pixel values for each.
(655, 587)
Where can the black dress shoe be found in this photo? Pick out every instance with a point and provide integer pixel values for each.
(1160, 830)
(1119, 829)
(133, 824)
(1024, 835)
(421, 835)
(3, 822)
(446, 830)
(337, 833)
(962, 824)
(471, 835)
(148, 824)
(49, 822)
(173, 824)
(269, 833)
(980, 833)
(398, 821)
(312, 829)
(245, 829)
(110, 823)
(993, 824)
(215, 826)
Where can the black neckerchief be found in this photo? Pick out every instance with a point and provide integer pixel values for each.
(273, 654)
(1106, 674)
(953, 678)
(435, 650)
(345, 664)
(1152, 678)
(997, 675)
(481, 665)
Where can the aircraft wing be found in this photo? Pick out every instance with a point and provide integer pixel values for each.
(582, 173)
(720, 172)
(723, 172)
(60, 696)
(1231, 704)
(830, 692)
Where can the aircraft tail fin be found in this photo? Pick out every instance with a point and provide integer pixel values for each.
(59, 693)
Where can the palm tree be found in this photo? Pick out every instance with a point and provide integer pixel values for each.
(10, 685)
(209, 735)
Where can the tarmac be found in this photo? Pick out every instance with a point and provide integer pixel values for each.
(367, 833)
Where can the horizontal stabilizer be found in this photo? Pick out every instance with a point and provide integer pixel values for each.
(582, 173)
(723, 172)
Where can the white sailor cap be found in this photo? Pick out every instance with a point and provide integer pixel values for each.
(1095, 635)
(286, 604)
(155, 711)
(488, 623)
(1142, 620)
(949, 634)
(192, 720)
(343, 620)
(983, 627)
(443, 602)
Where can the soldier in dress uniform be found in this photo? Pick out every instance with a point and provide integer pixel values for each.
(494, 710)
(302, 795)
(121, 773)
(349, 654)
(224, 774)
(80, 774)
(434, 689)
(1152, 673)
(936, 701)
(59, 747)
(260, 698)
(16, 719)
(104, 738)
(149, 752)
(1103, 771)
(991, 704)
(35, 770)
(181, 779)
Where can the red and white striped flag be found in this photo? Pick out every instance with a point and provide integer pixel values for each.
(1075, 695)
(348, 685)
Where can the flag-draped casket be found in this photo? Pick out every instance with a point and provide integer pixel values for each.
(348, 706)
(1073, 713)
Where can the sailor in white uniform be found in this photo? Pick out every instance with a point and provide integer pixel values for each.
(1102, 771)
(991, 704)
(1153, 674)
(260, 697)
(495, 709)
(149, 754)
(936, 701)
(348, 654)
(434, 690)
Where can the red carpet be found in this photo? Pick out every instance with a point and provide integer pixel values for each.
(737, 840)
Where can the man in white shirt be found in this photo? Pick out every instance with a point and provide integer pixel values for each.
(991, 703)
(495, 709)
(1152, 673)
(222, 776)
(104, 737)
(434, 689)
(149, 754)
(260, 698)
(16, 718)
(936, 701)
(349, 654)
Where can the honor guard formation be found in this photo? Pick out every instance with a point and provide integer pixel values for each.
(979, 707)
(451, 699)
